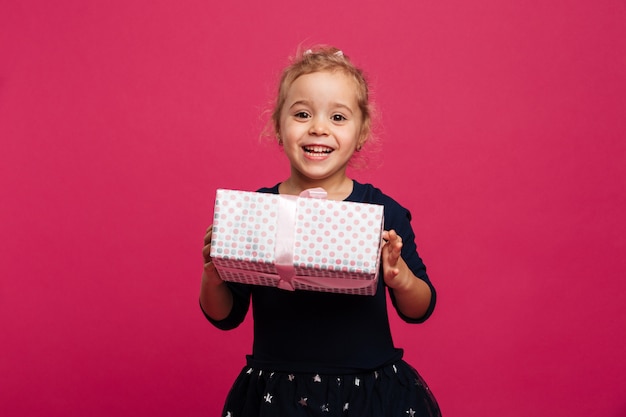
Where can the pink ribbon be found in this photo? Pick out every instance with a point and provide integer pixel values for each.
(319, 282)
(286, 233)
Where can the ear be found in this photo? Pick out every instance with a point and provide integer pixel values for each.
(363, 137)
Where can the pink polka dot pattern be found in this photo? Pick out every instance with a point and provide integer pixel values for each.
(334, 241)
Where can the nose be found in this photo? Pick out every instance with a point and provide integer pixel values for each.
(318, 127)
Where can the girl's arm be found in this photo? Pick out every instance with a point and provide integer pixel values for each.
(216, 299)
(411, 293)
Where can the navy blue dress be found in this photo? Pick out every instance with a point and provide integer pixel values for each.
(327, 354)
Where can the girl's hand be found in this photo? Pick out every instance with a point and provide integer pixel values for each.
(210, 274)
(412, 294)
(216, 299)
(396, 273)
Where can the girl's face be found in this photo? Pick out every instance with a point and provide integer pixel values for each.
(320, 126)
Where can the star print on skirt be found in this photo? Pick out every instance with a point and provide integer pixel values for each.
(395, 390)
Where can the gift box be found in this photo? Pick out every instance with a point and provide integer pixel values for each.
(297, 242)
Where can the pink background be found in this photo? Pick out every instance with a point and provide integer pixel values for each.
(502, 128)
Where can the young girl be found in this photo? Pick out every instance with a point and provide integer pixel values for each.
(318, 353)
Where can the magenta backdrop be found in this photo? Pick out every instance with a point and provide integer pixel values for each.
(502, 129)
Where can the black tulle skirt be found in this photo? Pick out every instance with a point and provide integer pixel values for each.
(395, 390)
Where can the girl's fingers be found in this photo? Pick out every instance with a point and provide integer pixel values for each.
(206, 250)
(394, 244)
(391, 236)
(208, 235)
(206, 254)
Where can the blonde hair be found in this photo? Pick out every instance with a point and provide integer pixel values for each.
(324, 58)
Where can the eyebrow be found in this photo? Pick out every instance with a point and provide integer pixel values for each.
(308, 103)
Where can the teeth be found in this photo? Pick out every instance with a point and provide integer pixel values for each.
(317, 149)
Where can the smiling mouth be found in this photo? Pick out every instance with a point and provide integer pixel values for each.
(317, 150)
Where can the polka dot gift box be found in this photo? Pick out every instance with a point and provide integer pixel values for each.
(297, 243)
